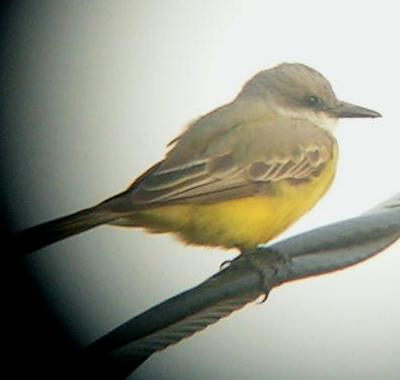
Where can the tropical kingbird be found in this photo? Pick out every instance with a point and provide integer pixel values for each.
(236, 177)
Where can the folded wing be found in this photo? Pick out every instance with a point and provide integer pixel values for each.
(244, 160)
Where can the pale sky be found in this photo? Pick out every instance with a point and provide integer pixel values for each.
(100, 90)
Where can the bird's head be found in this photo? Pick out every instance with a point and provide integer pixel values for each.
(298, 91)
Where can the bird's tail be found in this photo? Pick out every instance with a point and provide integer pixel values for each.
(36, 237)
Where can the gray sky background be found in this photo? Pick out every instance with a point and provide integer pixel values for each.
(96, 90)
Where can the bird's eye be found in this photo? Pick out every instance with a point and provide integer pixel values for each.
(312, 100)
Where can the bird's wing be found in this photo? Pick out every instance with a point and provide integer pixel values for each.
(234, 162)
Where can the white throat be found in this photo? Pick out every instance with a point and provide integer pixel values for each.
(323, 121)
(319, 119)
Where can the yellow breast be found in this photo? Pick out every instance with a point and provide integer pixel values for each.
(243, 223)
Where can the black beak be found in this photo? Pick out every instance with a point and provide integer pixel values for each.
(344, 109)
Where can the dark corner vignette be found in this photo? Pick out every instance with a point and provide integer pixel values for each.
(34, 342)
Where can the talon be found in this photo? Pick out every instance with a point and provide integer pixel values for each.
(263, 299)
(225, 264)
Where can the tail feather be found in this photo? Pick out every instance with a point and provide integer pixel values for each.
(36, 237)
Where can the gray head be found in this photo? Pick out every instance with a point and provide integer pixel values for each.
(296, 90)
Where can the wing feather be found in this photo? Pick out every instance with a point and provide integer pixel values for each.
(235, 164)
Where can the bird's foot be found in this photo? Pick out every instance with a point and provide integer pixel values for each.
(271, 265)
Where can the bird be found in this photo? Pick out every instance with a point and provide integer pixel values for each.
(237, 176)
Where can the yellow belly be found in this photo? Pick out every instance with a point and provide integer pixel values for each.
(243, 223)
